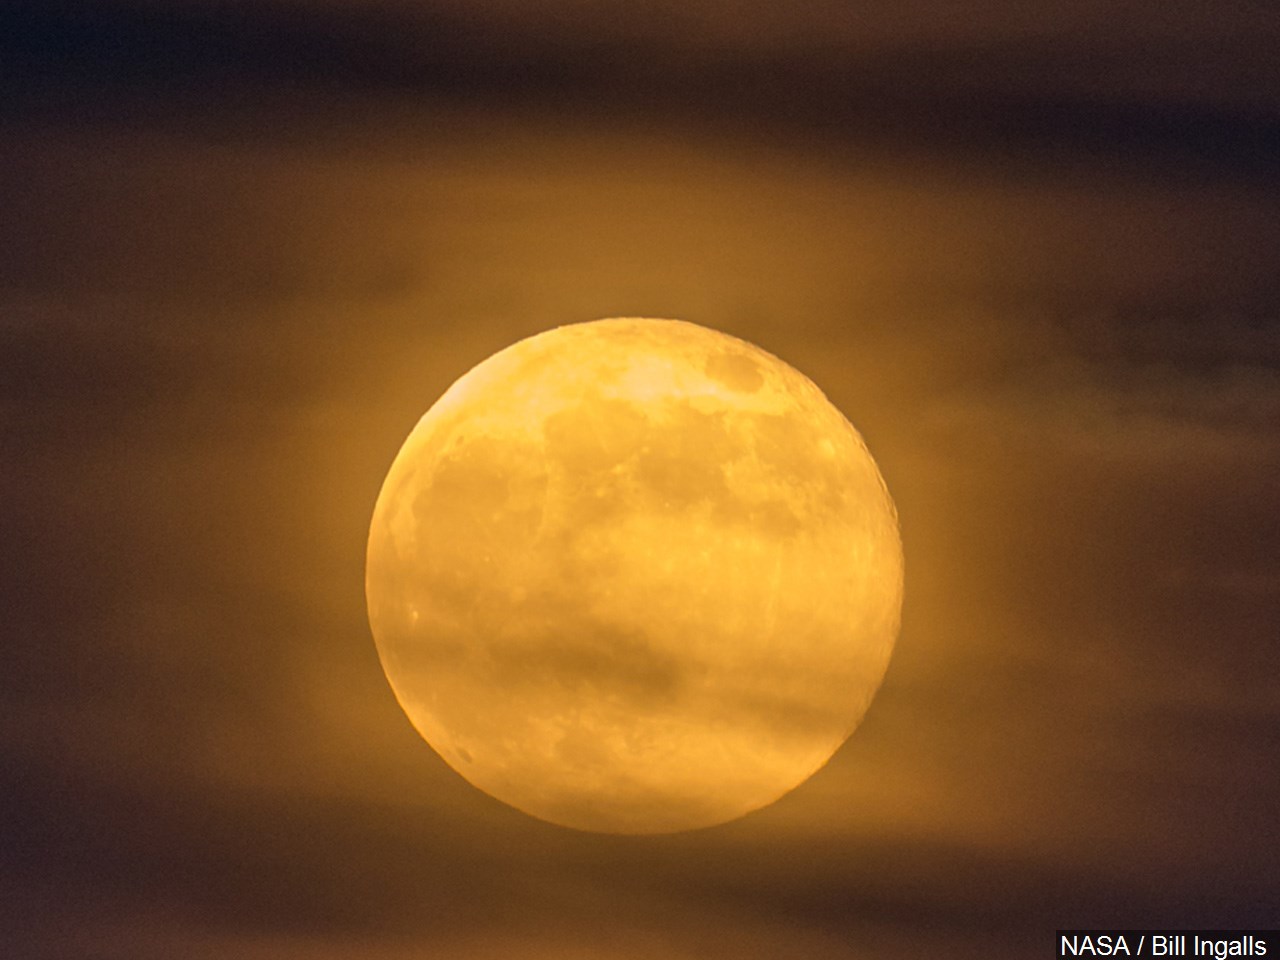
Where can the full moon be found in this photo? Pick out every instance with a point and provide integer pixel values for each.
(634, 576)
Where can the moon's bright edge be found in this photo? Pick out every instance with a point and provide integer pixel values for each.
(634, 576)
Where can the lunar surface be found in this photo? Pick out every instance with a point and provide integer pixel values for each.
(634, 576)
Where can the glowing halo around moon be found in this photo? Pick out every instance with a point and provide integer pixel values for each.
(634, 576)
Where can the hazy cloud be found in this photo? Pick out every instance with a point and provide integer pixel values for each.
(222, 311)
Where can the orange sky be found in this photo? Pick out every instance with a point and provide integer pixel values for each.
(225, 300)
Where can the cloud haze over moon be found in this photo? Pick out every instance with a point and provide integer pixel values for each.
(634, 576)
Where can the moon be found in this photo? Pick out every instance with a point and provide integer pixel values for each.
(634, 576)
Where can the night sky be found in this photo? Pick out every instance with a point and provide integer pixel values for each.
(1032, 251)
